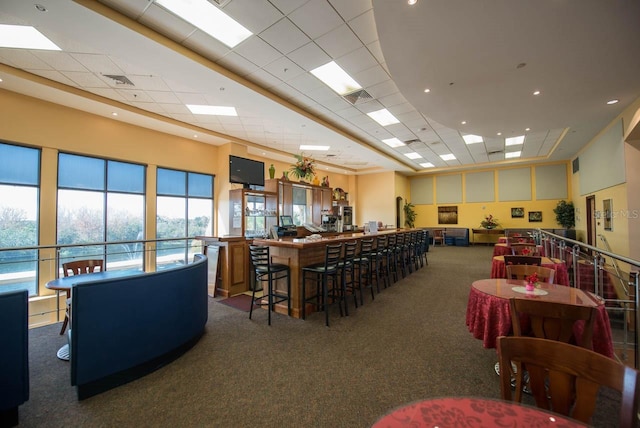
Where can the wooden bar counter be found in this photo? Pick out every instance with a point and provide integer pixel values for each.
(300, 254)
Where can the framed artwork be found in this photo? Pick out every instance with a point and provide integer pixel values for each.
(448, 215)
(607, 206)
(517, 212)
(535, 216)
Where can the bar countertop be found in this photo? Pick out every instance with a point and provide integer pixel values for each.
(301, 243)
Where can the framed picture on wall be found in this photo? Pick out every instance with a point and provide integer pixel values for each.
(517, 212)
(448, 215)
(535, 216)
(607, 206)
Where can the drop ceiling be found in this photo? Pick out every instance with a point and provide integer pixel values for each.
(480, 61)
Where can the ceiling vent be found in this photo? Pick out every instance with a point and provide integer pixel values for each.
(120, 80)
(495, 152)
(357, 97)
(415, 140)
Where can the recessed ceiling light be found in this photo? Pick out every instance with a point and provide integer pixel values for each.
(383, 117)
(195, 135)
(413, 155)
(393, 142)
(527, 129)
(312, 147)
(427, 165)
(41, 8)
(514, 141)
(499, 133)
(209, 19)
(611, 102)
(448, 157)
(536, 92)
(412, 2)
(1, 80)
(509, 155)
(332, 75)
(427, 90)
(464, 122)
(212, 110)
(24, 37)
(472, 139)
(114, 113)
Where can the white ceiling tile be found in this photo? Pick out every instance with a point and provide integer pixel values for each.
(372, 76)
(264, 78)
(60, 60)
(152, 107)
(356, 61)
(56, 76)
(382, 89)
(206, 45)
(351, 8)
(393, 100)
(133, 8)
(191, 98)
(135, 95)
(254, 15)
(287, 6)
(339, 41)
(97, 63)
(21, 58)
(85, 80)
(365, 27)
(148, 83)
(376, 51)
(257, 51)
(164, 97)
(316, 18)
(284, 69)
(172, 108)
(284, 36)
(237, 63)
(305, 82)
(309, 56)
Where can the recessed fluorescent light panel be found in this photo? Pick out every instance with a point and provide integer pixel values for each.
(413, 155)
(393, 142)
(514, 141)
(427, 165)
(209, 19)
(472, 139)
(212, 110)
(317, 148)
(332, 75)
(383, 117)
(510, 155)
(448, 157)
(24, 37)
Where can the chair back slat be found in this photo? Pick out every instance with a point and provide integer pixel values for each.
(80, 267)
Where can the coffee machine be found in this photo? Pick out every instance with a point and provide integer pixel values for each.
(347, 217)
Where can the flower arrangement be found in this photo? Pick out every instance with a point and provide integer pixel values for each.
(525, 251)
(304, 168)
(532, 280)
(489, 222)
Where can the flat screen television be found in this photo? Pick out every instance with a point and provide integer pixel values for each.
(247, 172)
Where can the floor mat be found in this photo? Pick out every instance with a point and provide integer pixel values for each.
(240, 301)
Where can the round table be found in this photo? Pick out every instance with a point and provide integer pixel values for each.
(498, 269)
(489, 315)
(463, 412)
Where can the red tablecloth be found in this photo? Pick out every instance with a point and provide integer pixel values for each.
(461, 412)
(501, 249)
(489, 315)
(561, 276)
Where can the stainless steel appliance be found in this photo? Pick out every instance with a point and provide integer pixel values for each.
(347, 217)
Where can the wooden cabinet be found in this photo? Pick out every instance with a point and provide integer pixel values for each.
(252, 212)
(228, 265)
(304, 202)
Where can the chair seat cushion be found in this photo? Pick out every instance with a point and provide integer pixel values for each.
(275, 267)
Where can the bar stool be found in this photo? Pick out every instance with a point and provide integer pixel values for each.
(381, 268)
(327, 281)
(270, 272)
(365, 265)
(348, 273)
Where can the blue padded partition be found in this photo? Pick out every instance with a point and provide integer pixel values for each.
(14, 355)
(127, 327)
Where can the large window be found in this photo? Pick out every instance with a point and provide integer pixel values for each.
(101, 201)
(184, 209)
(19, 190)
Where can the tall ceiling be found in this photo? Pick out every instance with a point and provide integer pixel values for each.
(481, 61)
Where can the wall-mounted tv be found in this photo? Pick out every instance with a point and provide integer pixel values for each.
(247, 172)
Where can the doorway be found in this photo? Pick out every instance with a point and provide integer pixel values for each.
(591, 220)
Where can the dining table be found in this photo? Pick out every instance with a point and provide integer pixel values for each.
(67, 283)
(489, 314)
(498, 269)
(460, 412)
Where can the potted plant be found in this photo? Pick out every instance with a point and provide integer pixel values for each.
(565, 216)
(409, 215)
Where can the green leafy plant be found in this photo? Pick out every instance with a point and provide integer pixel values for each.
(490, 222)
(409, 215)
(565, 214)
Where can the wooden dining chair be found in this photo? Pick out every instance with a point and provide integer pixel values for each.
(553, 321)
(523, 271)
(524, 249)
(78, 267)
(522, 260)
(438, 236)
(565, 378)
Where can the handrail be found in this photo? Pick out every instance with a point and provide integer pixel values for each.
(556, 246)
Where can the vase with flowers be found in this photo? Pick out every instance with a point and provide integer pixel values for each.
(304, 168)
(489, 222)
(532, 281)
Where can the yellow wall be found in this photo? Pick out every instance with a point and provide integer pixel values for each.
(376, 199)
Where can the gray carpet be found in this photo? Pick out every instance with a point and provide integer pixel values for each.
(409, 344)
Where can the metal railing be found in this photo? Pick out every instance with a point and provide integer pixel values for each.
(611, 277)
(31, 267)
